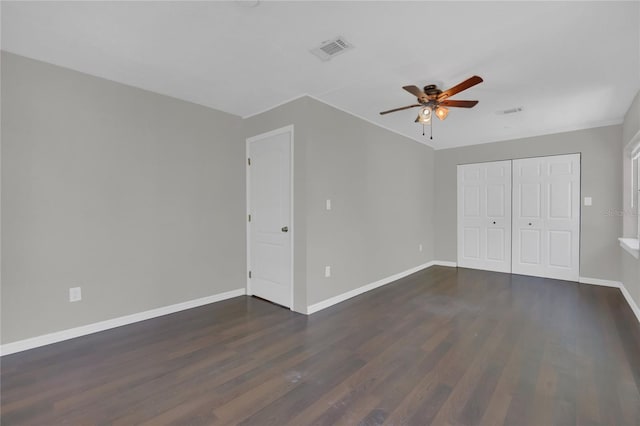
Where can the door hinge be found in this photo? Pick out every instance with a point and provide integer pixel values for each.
(249, 274)
(249, 161)
(249, 218)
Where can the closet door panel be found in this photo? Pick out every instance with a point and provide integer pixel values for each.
(484, 216)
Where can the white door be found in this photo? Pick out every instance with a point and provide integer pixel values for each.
(484, 216)
(546, 216)
(269, 221)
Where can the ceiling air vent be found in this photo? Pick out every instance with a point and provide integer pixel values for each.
(510, 111)
(330, 48)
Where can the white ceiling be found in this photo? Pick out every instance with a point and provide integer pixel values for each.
(570, 65)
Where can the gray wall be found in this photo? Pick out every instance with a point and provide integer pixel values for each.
(139, 198)
(601, 179)
(630, 266)
(631, 124)
(382, 190)
(136, 197)
(381, 187)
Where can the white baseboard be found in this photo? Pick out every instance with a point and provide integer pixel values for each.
(617, 284)
(445, 263)
(632, 304)
(598, 281)
(355, 292)
(47, 339)
(368, 287)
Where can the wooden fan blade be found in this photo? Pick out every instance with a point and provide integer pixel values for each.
(399, 109)
(415, 91)
(459, 104)
(470, 82)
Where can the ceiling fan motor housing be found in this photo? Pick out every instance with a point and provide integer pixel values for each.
(432, 90)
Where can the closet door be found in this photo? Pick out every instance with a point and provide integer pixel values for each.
(484, 216)
(546, 216)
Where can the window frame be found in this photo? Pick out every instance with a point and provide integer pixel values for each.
(632, 154)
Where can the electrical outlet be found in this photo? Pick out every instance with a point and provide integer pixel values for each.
(420, 247)
(75, 294)
(327, 271)
(588, 201)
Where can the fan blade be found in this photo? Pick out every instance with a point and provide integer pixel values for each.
(415, 91)
(399, 109)
(470, 82)
(459, 104)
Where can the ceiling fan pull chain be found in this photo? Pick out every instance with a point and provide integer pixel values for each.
(431, 126)
(422, 129)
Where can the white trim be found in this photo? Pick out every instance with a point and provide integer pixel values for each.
(631, 246)
(279, 104)
(279, 131)
(616, 284)
(414, 139)
(513, 137)
(71, 333)
(632, 304)
(600, 282)
(632, 148)
(368, 287)
(286, 129)
(518, 137)
(445, 263)
(247, 193)
(292, 228)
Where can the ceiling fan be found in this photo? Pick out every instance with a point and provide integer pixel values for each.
(434, 100)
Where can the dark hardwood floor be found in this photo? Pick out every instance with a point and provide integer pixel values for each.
(442, 347)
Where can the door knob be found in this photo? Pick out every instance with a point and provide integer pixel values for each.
(494, 222)
(529, 223)
(285, 229)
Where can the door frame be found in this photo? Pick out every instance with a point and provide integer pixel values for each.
(286, 129)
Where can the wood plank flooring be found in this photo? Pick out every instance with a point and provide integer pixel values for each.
(444, 346)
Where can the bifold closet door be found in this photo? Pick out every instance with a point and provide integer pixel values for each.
(546, 216)
(484, 216)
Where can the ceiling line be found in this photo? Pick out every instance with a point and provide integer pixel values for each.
(279, 104)
(549, 132)
(369, 121)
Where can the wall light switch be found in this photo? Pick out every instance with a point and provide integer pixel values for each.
(75, 294)
(588, 201)
(327, 271)
(328, 204)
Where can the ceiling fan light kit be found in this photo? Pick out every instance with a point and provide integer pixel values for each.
(434, 100)
(442, 112)
(425, 115)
